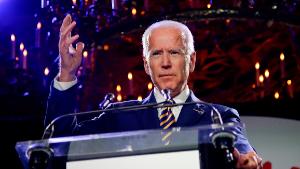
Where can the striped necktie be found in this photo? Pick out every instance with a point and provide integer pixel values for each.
(167, 121)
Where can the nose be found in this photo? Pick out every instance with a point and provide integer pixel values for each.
(166, 61)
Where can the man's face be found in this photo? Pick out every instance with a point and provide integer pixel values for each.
(168, 64)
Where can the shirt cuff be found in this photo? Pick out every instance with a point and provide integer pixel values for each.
(62, 86)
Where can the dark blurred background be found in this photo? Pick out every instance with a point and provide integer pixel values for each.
(248, 56)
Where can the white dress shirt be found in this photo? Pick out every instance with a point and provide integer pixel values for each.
(181, 98)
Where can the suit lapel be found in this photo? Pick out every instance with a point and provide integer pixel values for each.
(193, 114)
(150, 116)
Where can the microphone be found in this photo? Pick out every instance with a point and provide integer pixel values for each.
(215, 116)
(167, 94)
(223, 140)
(106, 101)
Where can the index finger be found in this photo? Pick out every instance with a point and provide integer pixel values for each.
(66, 22)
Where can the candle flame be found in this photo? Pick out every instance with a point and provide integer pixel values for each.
(39, 25)
(118, 88)
(289, 82)
(140, 98)
(276, 95)
(12, 37)
(257, 65)
(133, 11)
(267, 73)
(208, 6)
(150, 86)
(46, 71)
(119, 97)
(130, 76)
(261, 78)
(25, 53)
(281, 56)
(22, 46)
(85, 54)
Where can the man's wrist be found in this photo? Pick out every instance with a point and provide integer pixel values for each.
(62, 86)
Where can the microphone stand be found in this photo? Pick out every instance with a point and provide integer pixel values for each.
(223, 140)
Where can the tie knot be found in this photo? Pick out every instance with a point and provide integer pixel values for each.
(170, 101)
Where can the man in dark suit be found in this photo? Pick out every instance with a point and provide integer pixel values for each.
(169, 57)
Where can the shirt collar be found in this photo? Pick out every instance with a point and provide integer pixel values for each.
(181, 98)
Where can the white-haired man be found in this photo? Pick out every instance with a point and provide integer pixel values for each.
(169, 57)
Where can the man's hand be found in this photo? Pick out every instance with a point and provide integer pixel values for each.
(70, 57)
(247, 161)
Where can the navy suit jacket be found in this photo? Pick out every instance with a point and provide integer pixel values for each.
(62, 102)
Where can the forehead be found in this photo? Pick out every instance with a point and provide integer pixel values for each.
(166, 37)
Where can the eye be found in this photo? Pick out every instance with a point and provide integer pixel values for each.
(156, 53)
(174, 52)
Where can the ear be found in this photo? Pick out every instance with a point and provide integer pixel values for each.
(146, 65)
(192, 61)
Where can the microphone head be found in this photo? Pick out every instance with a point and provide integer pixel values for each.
(166, 93)
(109, 96)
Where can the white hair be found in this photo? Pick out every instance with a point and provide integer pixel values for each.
(187, 36)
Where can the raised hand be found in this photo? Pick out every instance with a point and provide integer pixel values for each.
(70, 57)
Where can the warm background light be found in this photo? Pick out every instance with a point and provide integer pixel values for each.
(106, 47)
(267, 73)
(85, 54)
(133, 11)
(46, 71)
(289, 82)
(150, 86)
(281, 56)
(22, 46)
(257, 65)
(118, 88)
(261, 78)
(208, 6)
(276, 95)
(140, 98)
(25, 53)
(39, 25)
(119, 97)
(12, 37)
(130, 76)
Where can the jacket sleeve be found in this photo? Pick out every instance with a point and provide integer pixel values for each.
(231, 115)
(60, 103)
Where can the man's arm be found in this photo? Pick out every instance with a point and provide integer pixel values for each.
(62, 100)
(245, 155)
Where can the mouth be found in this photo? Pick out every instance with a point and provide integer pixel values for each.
(166, 75)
